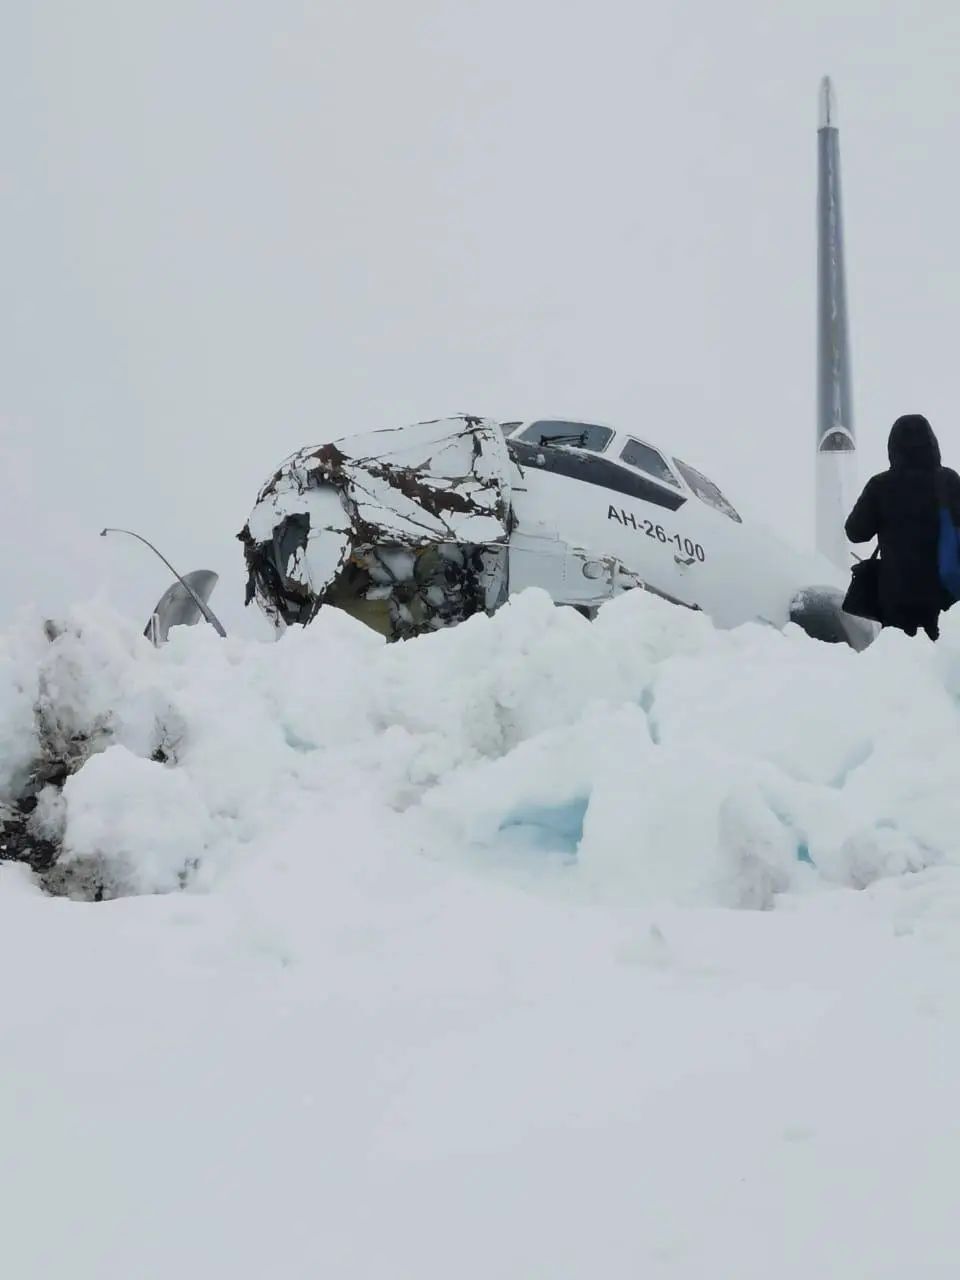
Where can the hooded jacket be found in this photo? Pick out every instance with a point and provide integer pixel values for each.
(901, 508)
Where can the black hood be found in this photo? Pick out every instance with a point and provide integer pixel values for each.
(912, 444)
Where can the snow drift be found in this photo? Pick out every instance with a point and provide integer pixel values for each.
(424, 973)
(644, 755)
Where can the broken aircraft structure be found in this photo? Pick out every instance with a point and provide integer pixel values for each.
(417, 528)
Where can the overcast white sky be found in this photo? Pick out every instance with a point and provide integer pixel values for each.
(233, 228)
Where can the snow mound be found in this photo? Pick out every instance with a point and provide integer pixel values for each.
(642, 757)
(423, 968)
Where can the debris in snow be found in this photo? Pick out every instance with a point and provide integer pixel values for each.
(85, 694)
(18, 843)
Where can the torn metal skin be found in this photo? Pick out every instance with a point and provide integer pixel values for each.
(405, 529)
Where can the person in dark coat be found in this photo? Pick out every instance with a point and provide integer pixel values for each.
(901, 508)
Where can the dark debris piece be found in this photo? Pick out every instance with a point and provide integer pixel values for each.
(18, 844)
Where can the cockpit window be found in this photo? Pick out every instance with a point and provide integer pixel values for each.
(576, 435)
(706, 490)
(645, 458)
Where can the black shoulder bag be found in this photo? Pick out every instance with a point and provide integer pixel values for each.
(863, 594)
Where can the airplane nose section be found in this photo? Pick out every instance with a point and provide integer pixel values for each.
(407, 529)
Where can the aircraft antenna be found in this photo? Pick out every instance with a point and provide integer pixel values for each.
(204, 608)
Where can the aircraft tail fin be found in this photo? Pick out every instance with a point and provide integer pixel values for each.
(836, 443)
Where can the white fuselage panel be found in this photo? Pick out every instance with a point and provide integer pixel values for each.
(694, 553)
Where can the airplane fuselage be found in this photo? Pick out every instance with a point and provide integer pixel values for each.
(417, 527)
(662, 519)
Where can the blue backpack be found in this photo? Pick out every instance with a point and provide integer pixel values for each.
(948, 550)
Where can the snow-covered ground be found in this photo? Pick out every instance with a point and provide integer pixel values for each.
(534, 949)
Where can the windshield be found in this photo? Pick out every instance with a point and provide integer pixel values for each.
(577, 435)
(706, 490)
(645, 458)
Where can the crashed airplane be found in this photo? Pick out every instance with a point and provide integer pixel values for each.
(417, 528)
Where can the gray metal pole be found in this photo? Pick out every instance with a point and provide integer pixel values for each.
(836, 442)
(204, 608)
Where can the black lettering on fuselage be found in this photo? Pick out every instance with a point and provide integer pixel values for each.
(693, 550)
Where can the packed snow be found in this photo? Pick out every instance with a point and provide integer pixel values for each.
(534, 948)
